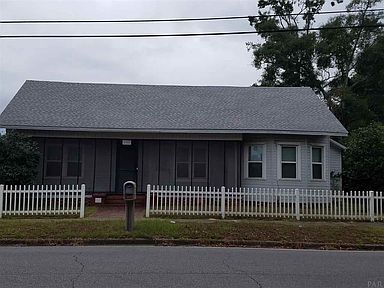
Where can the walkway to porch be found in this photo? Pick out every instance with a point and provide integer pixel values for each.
(115, 211)
(112, 206)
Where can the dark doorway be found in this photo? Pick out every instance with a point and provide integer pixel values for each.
(126, 163)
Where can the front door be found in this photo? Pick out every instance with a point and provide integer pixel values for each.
(126, 163)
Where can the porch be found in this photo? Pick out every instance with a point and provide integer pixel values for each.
(104, 161)
(103, 165)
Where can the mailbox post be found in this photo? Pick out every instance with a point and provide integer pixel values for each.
(129, 192)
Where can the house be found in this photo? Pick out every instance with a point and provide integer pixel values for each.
(105, 134)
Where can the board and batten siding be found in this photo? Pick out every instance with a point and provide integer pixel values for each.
(166, 162)
(271, 179)
(157, 163)
(98, 163)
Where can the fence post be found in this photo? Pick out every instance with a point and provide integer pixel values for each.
(1, 199)
(222, 202)
(371, 206)
(82, 201)
(297, 203)
(147, 203)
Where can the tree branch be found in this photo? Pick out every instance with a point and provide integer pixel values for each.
(355, 46)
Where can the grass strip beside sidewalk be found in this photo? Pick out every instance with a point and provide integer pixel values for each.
(206, 231)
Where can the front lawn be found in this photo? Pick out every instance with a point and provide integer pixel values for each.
(229, 230)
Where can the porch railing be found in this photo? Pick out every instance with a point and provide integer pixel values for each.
(265, 202)
(42, 200)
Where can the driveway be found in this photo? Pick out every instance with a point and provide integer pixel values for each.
(147, 266)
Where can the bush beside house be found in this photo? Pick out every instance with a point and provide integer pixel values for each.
(364, 159)
(19, 158)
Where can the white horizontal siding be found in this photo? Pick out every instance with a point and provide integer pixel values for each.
(335, 159)
(271, 179)
(335, 166)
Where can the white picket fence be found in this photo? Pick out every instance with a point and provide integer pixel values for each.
(265, 202)
(42, 200)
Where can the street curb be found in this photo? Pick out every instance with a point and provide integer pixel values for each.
(191, 242)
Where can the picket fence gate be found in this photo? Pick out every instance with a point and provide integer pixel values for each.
(42, 200)
(265, 202)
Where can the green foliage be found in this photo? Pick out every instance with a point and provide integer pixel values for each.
(344, 66)
(354, 111)
(364, 159)
(338, 51)
(362, 102)
(369, 78)
(287, 59)
(339, 48)
(19, 158)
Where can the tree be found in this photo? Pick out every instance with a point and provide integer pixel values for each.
(287, 58)
(363, 101)
(325, 61)
(364, 159)
(354, 110)
(338, 50)
(19, 158)
(344, 66)
(369, 78)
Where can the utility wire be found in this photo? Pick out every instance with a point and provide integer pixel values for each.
(191, 34)
(181, 19)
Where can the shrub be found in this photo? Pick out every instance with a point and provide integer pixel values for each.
(19, 158)
(364, 159)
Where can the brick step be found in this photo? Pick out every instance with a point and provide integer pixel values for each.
(118, 200)
(137, 205)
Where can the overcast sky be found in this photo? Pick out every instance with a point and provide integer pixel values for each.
(191, 61)
(220, 60)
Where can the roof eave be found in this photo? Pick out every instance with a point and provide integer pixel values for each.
(150, 130)
(338, 145)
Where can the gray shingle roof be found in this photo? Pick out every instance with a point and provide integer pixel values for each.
(126, 107)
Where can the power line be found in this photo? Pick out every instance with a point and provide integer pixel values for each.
(181, 19)
(191, 34)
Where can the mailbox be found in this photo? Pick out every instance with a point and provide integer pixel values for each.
(129, 191)
(129, 194)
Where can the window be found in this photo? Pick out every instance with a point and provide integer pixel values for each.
(53, 161)
(183, 157)
(191, 160)
(73, 161)
(289, 161)
(255, 161)
(317, 163)
(199, 161)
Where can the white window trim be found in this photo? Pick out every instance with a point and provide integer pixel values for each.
(298, 160)
(263, 162)
(323, 176)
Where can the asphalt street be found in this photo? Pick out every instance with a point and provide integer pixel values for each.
(147, 266)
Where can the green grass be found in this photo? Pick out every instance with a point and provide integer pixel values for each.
(258, 230)
(89, 211)
(83, 229)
